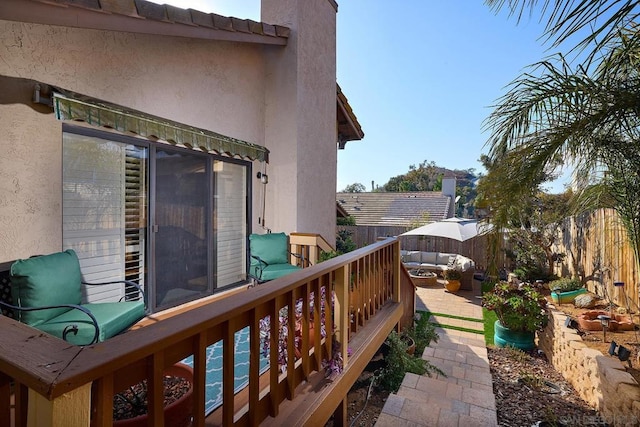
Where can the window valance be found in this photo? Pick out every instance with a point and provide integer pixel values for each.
(71, 106)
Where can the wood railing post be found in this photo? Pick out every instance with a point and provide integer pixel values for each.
(341, 309)
(72, 409)
(397, 265)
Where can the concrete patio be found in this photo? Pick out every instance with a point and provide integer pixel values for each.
(465, 396)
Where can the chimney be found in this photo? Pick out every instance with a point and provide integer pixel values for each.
(449, 185)
(449, 189)
(372, 187)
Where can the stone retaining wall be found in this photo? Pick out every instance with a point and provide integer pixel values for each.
(601, 380)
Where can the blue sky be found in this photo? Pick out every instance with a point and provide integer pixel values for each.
(420, 75)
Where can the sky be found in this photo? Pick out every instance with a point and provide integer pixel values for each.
(421, 77)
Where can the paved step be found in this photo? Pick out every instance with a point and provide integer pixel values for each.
(461, 397)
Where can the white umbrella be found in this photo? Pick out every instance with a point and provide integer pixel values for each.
(460, 229)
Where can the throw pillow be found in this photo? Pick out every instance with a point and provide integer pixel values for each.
(452, 262)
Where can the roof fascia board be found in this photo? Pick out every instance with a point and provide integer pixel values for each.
(78, 17)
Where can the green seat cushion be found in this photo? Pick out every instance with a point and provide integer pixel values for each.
(272, 248)
(274, 271)
(113, 318)
(43, 281)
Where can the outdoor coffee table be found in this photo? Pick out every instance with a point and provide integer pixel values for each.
(423, 277)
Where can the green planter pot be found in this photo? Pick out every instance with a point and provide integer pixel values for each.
(566, 297)
(504, 337)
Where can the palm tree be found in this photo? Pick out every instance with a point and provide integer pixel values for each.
(600, 20)
(587, 114)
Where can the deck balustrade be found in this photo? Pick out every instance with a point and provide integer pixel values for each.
(45, 381)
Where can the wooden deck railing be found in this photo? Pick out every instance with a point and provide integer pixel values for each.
(74, 386)
(310, 246)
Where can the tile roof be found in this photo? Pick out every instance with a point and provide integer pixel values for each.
(396, 209)
(349, 128)
(142, 16)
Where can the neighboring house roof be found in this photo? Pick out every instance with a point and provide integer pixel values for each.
(140, 16)
(395, 209)
(340, 211)
(348, 127)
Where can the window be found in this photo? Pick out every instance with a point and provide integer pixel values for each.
(171, 219)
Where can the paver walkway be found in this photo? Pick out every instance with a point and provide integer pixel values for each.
(465, 396)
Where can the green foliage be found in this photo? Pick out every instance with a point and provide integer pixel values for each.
(344, 243)
(516, 354)
(422, 332)
(399, 362)
(354, 188)
(565, 284)
(350, 220)
(452, 274)
(489, 319)
(519, 308)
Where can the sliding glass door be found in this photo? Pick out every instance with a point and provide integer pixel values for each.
(171, 219)
(182, 226)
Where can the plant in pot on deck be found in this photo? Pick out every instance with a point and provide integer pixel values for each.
(130, 406)
(452, 277)
(565, 290)
(521, 311)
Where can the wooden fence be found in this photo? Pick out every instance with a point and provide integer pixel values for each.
(599, 254)
(476, 248)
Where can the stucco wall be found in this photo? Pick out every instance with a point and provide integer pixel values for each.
(301, 125)
(213, 85)
(281, 97)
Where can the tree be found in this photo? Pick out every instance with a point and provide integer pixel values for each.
(354, 188)
(531, 217)
(587, 114)
(602, 20)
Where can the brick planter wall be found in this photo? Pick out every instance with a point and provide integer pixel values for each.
(600, 380)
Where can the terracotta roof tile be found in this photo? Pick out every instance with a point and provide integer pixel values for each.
(241, 25)
(179, 16)
(222, 22)
(153, 11)
(202, 19)
(118, 7)
(171, 14)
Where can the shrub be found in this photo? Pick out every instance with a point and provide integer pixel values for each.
(518, 307)
(565, 284)
(399, 362)
(422, 332)
(452, 274)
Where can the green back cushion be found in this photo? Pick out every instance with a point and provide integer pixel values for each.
(46, 280)
(271, 248)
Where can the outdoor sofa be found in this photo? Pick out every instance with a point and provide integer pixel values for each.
(439, 262)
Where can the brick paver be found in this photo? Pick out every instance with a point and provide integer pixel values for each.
(465, 396)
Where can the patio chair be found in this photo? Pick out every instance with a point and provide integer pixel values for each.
(270, 257)
(47, 291)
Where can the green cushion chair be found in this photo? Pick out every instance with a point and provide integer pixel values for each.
(270, 257)
(47, 294)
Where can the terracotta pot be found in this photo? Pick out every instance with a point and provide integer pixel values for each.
(178, 413)
(588, 321)
(411, 344)
(452, 285)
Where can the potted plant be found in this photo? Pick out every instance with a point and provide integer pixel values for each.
(521, 311)
(565, 290)
(452, 278)
(130, 406)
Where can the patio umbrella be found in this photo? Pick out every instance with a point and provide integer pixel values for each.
(460, 229)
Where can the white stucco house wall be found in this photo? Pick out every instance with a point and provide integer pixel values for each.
(150, 127)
